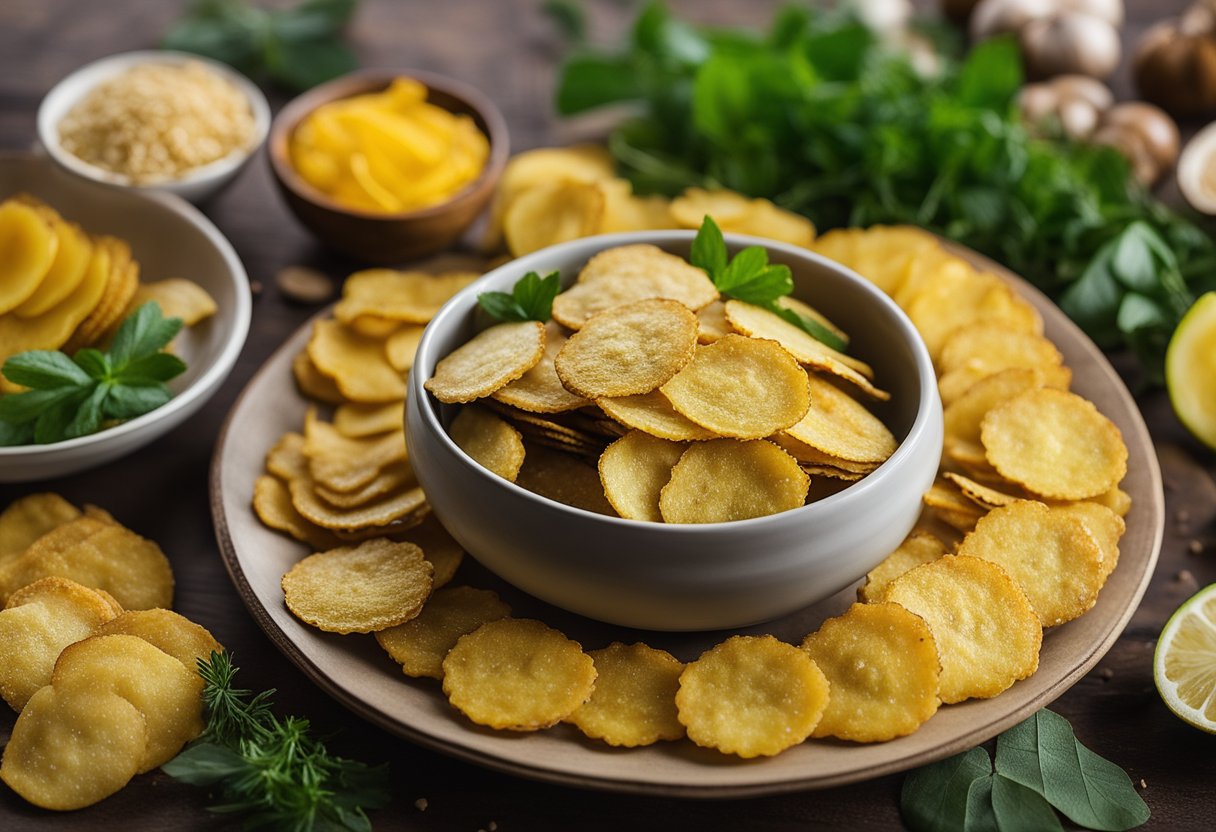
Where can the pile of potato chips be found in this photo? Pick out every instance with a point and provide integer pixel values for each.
(102, 674)
(65, 289)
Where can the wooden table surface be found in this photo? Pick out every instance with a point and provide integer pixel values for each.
(509, 50)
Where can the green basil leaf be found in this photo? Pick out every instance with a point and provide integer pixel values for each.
(128, 401)
(1019, 809)
(12, 435)
(744, 267)
(225, 31)
(991, 75)
(1093, 302)
(88, 415)
(502, 306)
(765, 286)
(44, 370)
(1132, 260)
(159, 366)
(934, 798)
(144, 332)
(52, 423)
(93, 362)
(709, 249)
(25, 408)
(535, 294)
(671, 42)
(589, 81)
(981, 817)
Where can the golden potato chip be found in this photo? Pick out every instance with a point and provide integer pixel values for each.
(986, 631)
(359, 421)
(489, 441)
(272, 504)
(167, 631)
(100, 555)
(751, 696)
(712, 323)
(882, 666)
(312, 382)
(402, 296)
(177, 298)
(540, 390)
(628, 274)
(1051, 554)
(420, 644)
(71, 750)
(1117, 500)
(360, 589)
(691, 207)
(962, 417)
(37, 623)
(634, 701)
(980, 494)
(764, 219)
(28, 246)
(839, 425)
(623, 211)
(628, 349)
(960, 521)
(652, 413)
(517, 674)
(120, 287)
(989, 346)
(29, 518)
(375, 327)
(882, 254)
(400, 346)
(563, 478)
(944, 494)
(959, 295)
(1105, 525)
(407, 505)
(1054, 443)
(396, 477)
(438, 547)
(746, 388)
(492, 359)
(634, 469)
(728, 479)
(67, 270)
(356, 363)
(954, 384)
(341, 463)
(550, 213)
(918, 548)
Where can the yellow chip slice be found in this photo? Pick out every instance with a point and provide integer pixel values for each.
(177, 298)
(402, 296)
(550, 213)
(420, 644)
(918, 548)
(839, 425)
(29, 518)
(341, 463)
(628, 349)
(517, 674)
(751, 696)
(438, 547)
(634, 701)
(1054, 443)
(1105, 525)
(882, 666)
(634, 469)
(356, 363)
(359, 589)
(652, 413)
(727, 479)
(986, 631)
(492, 359)
(397, 477)
(66, 272)
(881, 254)
(956, 296)
(491, 442)
(980, 494)
(623, 211)
(990, 346)
(167, 631)
(312, 382)
(1051, 554)
(120, 287)
(359, 421)
(746, 388)
(28, 246)
(691, 207)
(272, 504)
(761, 323)
(962, 417)
(564, 478)
(400, 346)
(540, 390)
(712, 323)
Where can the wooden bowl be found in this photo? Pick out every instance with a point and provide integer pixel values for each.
(388, 237)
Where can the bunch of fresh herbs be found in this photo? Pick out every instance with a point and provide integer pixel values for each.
(824, 118)
(531, 299)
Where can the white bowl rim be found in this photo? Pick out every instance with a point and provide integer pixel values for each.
(242, 316)
(918, 432)
(110, 66)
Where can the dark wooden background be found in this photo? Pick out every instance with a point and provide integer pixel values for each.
(509, 50)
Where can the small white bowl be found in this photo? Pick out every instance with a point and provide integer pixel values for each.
(169, 238)
(196, 185)
(687, 577)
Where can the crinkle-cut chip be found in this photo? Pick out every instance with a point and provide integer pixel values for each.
(839, 425)
(625, 211)
(634, 701)
(728, 479)
(741, 387)
(312, 382)
(883, 670)
(165, 630)
(919, 547)
(359, 421)
(563, 478)
(491, 360)
(986, 631)
(550, 213)
(652, 413)
(100, 555)
(983, 496)
(953, 385)
(517, 674)
(882, 254)
(634, 469)
(437, 546)
(420, 644)
(29, 518)
(540, 390)
(37, 623)
(356, 363)
(71, 750)
(1054, 443)
(166, 692)
(956, 297)
(1051, 554)
(991, 346)
(751, 696)
(1105, 525)
(344, 464)
(628, 349)
(359, 589)
(489, 441)
(401, 345)
(123, 280)
(67, 270)
(962, 417)
(712, 323)
(28, 245)
(177, 298)
(403, 296)
(408, 506)
(396, 477)
(757, 322)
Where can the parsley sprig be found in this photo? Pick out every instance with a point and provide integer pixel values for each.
(749, 277)
(531, 299)
(71, 397)
(270, 770)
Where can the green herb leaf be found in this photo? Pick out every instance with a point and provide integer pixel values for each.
(145, 331)
(87, 418)
(709, 248)
(13, 434)
(981, 817)
(569, 17)
(204, 764)
(591, 81)
(25, 408)
(44, 370)
(1019, 809)
(126, 401)
(992, 75)
(93, 362)
(52, 423)
(531, 299)
(934, 798)
(158, 366)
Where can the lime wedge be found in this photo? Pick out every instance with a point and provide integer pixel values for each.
(1190, 370)
(1184, 665)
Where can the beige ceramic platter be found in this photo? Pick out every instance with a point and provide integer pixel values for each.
(354, 670)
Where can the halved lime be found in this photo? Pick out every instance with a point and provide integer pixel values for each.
(1190, 370)
(1184, 665)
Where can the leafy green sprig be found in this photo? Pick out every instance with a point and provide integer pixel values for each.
(531, 299)
(270, 770)
(71, 397)
(1041, 767)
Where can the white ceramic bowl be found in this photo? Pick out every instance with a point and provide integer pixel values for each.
(169, 238)
(196, 185)
(687, 577)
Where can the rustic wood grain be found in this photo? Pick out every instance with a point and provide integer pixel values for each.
(509, 50)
